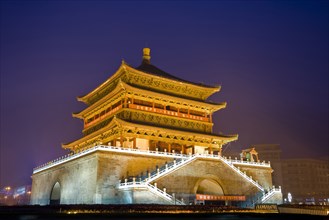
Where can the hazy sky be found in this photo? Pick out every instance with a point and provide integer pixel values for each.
(270, 57)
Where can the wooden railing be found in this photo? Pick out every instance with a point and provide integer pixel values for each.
(103, 116)
(168, 112)
(149, 109)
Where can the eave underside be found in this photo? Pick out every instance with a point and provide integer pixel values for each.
(124, 90)
(151, 81)
(118, 129)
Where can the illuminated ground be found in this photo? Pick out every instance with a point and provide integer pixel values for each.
(153, 212)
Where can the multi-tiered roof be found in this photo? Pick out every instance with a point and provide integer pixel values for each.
(149, 104)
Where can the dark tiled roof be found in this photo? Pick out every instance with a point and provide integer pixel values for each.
(151, 69)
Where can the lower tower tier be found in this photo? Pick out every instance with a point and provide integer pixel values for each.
(115, 175)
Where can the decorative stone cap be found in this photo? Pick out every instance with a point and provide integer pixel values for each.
(146, 55)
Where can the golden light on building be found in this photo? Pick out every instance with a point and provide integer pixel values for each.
(148, 138)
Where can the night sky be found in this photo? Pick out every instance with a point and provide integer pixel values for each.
(270, 57)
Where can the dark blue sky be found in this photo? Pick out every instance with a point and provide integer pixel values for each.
(270, 57)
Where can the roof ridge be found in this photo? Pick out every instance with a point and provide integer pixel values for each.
(154, 70)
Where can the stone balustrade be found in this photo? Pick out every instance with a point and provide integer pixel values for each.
(72, 156)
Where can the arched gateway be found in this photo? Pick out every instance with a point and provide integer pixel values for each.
(209, 187)
(55, 195)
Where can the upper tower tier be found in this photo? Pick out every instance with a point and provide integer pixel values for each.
(148, 76)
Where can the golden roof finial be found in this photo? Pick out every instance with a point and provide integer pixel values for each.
(146, 55)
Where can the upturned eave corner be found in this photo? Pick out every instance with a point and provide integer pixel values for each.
(234, 137)
(223, 104)
(65, 146)
(85, 98)
(77, 115)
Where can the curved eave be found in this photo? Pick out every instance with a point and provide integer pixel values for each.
(229, 138)
(81, 114)
(225, 138)
(70, 145)
(211, 89)
(77, 115)
(214, 106)
(85, 98)
(221, 138)
(124, 86)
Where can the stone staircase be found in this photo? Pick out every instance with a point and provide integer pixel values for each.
(178, 163)
(169, 168)
(264, 197)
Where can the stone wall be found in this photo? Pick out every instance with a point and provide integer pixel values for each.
(77, 180)
(187, 179)
(115, 167)
(262, 174)
(92, 179)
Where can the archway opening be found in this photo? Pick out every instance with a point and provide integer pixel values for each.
(55, 196)
(209, 187)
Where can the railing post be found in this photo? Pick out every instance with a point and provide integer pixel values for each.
(149, 175)
(126, 182)
(175, 162)
(134, 179)
(164, 190)
(166, 166)
(158, 171)
(155, 185)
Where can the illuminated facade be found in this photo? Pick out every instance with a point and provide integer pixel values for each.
(148, 138)
(307, 180)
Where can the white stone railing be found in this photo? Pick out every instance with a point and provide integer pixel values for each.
(243, 174)
(71, 156)
(266, 196)
(271, 193)
(249, 163)
(160, 172)
(230, 164)
(151, 188)
(168, 169)
(164, 194)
